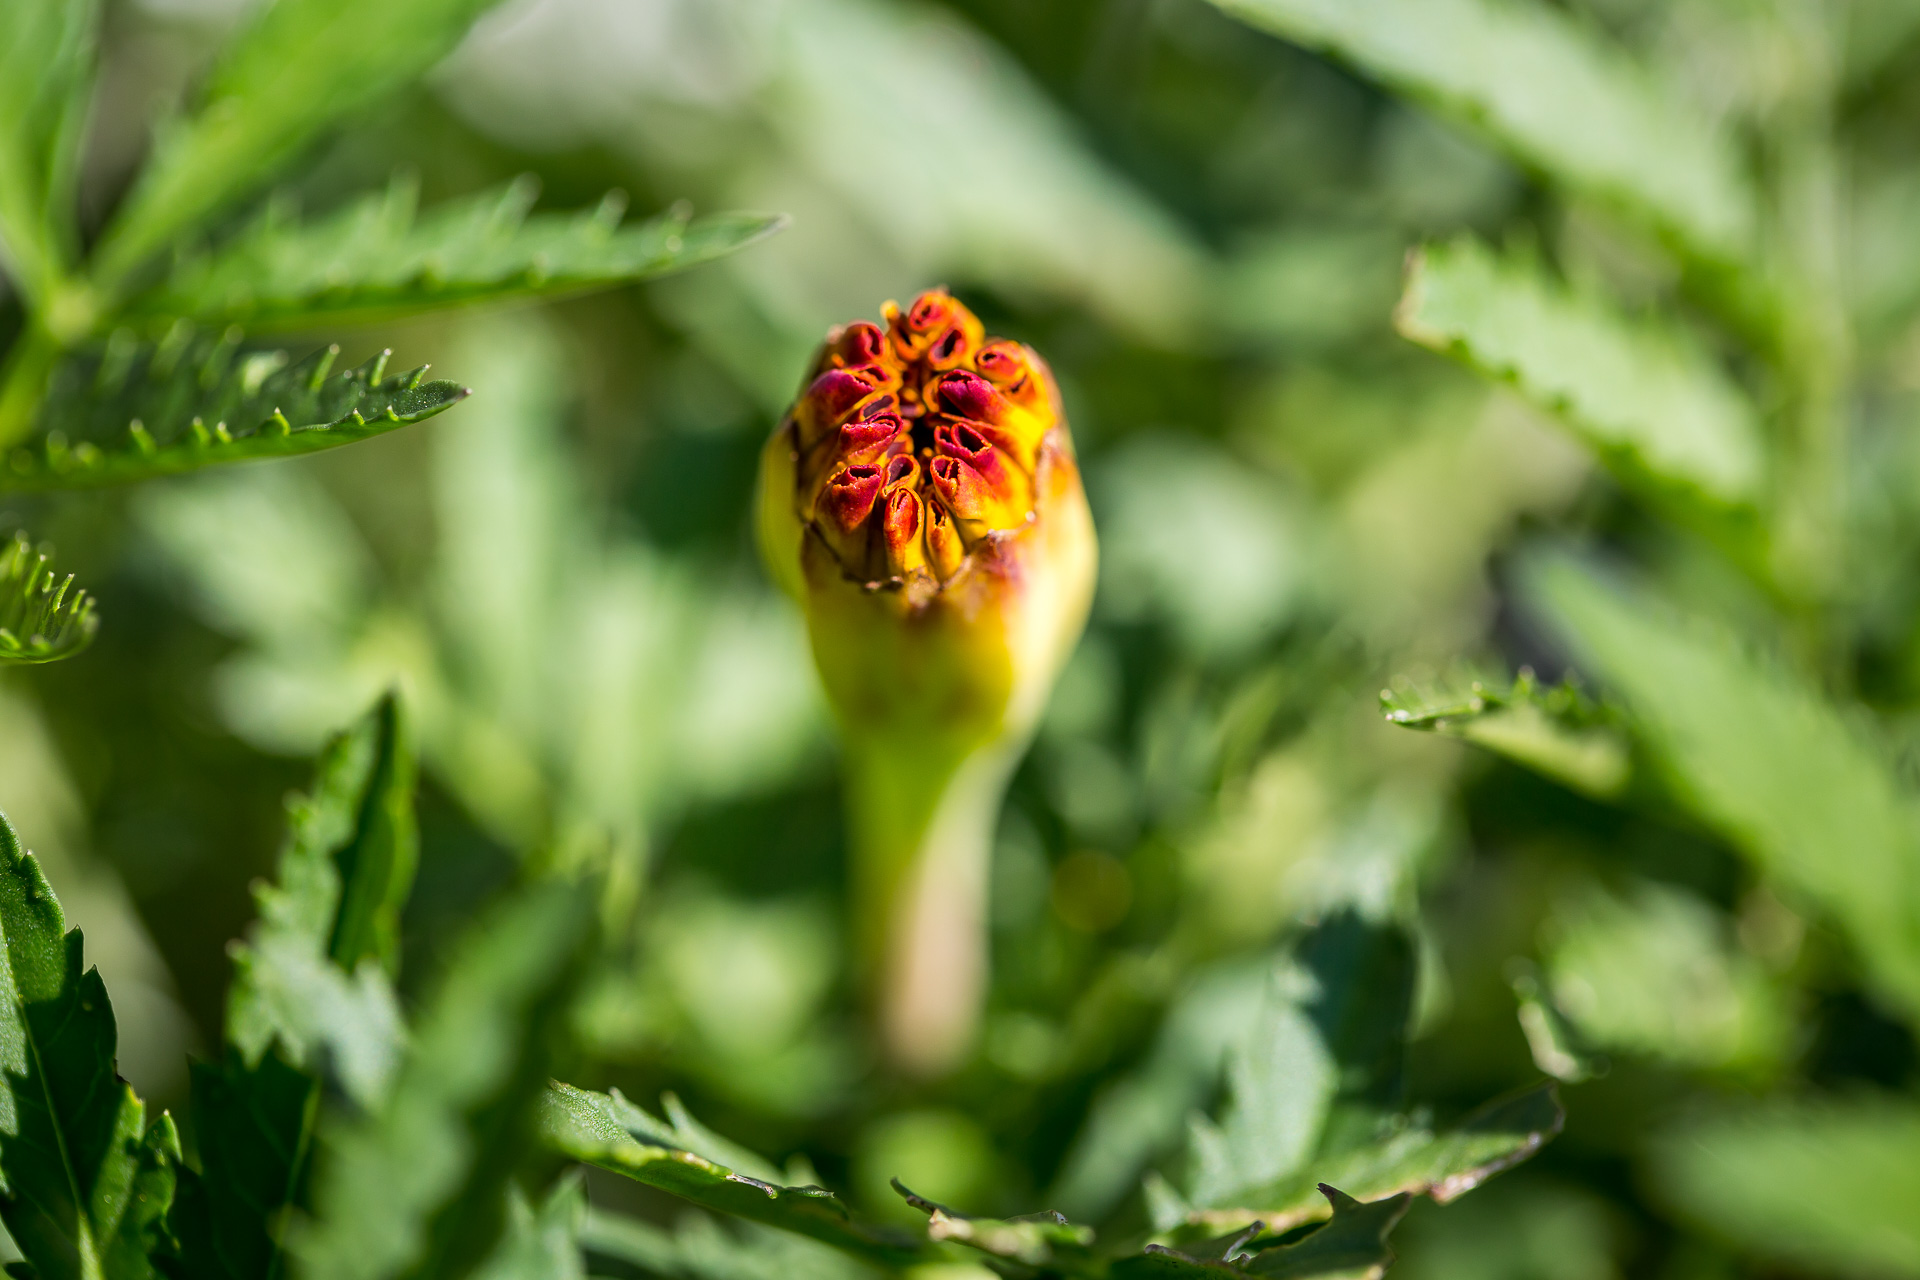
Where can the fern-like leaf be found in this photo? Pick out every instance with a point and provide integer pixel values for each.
(43, 617)
(130, 410)
(377, 259)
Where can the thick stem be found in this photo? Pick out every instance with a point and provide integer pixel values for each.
(922, 840)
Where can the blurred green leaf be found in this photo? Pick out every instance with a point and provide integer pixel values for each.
(375, 260)
(1351, 1246)
(1637, 393)
(699, 1248)
(1832, 1187)
(309, 994)
(131, 410)
(543, 1243)
(1760, 754)
(73, 1143)
(41, 619)
(295, 69)
(1557, 731)
(46, 49)
(1037, 1240)
(418, 1186)
(609, 1132)
(1550, 93)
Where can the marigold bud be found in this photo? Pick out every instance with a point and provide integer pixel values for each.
(922, 503)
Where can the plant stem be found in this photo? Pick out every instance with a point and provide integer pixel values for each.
(23, 382)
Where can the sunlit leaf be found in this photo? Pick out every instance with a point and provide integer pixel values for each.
(1557, 731)
(131, 410)
(1638, 393)
(294, 70)
(418, 1186)
(1759, 753)
(43, 617)
(73, 1143)
(1351, 1246)
(1826, 1187)
(1036, 1240)
(1554, 95)
(375, 259)
(46, 50)
(607, 1131)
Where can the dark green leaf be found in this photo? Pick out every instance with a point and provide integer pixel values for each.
(296, 68)
(143, 1235)
(1558, 731)
(1640, 394)
(1351, 1246)
(1550, 93)
(611, 1133)
(1761, 755)
(43, 617)
(374, 260)
(130, 410)
(46, 49)
(71, 1149)
(417, 1188)
(1825, 1187)
(1036, 1240)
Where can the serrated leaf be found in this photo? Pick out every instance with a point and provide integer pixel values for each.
(43, 617)
(1035, 1240)
(310, 997)
(375, 260)
(1557, 731)
(1642, 396)
(1351, 1246)
(71, 1131)
(543, 1243)
(1552, 94)
(143, 1234)
(46, 49)
(608, 1132)
(1760, 754)
(295, 69)
(1831, 1186)
(130, 410)
(417, 1187)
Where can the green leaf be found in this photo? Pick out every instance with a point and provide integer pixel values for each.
(46, 54)
(1640, 394)
(700, 1248)
(1760, 754)
(1827, 1187)
(1410, 1156)
(130, 410)
(296, 69)
(417, 1187)
(1036, 1240)
(375, 261)
(1351, 1246)
(1552, 94)
(543, 1243)
(72, 1156)
(41, 619)
(607, 1131)
(143, 1234)
(1558, 732)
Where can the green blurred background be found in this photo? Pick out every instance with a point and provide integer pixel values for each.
(1202, 228)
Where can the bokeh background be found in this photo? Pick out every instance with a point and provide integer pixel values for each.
(1203, 229)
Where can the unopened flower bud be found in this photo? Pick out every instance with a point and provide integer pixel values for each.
(922, 503)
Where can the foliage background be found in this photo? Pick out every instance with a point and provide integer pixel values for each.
(1203, 227)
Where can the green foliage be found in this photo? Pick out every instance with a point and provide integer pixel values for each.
(417, 1186)
(41, 619)
(1640, 395)
(377, 259)
(297, 68)
(45, 48)
(82, 1179)
(1351, 1246)
(1548, 92)
(1764, 757)
(1828, 1186)
(1558, 731)
(131, 410)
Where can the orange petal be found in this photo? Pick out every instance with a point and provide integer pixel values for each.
(832, 399)
(901, 525)
(945, 551)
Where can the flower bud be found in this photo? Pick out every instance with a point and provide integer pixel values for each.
(922, 503)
